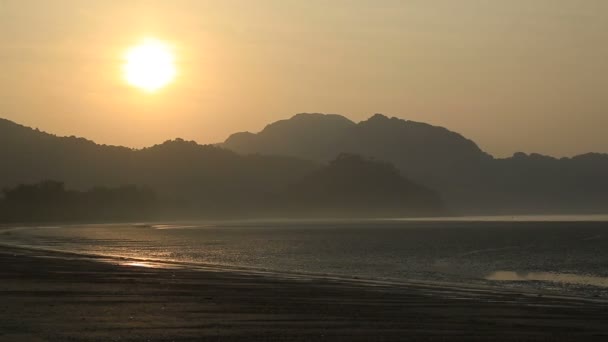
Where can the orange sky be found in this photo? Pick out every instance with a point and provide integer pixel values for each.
(518, 75)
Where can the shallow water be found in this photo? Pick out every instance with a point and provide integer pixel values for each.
(569, 256)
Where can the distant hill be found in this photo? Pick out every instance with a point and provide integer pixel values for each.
(423, 152)
(196, 180)
(471, 180)
(357, 187)
(310, 136)
(539, 183)
(322, 137)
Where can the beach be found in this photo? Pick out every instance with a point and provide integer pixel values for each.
(47, 296)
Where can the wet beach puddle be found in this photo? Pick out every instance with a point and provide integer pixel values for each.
(561, 278)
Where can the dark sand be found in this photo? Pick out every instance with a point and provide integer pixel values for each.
(52, 297)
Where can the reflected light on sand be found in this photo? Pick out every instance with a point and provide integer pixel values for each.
(564, 278)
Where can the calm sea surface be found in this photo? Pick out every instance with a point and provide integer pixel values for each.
(566, 254)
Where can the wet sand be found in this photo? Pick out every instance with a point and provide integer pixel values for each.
(54, 297)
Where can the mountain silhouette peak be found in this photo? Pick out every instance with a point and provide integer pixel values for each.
(322, 136)
(319, 116)
(308, 121)
(379, 117)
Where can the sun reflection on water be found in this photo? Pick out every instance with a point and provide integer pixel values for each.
(141, 264)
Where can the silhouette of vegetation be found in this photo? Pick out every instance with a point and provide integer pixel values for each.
(349, 186)
(50, 201)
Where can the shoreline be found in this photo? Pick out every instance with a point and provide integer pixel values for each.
(521, 218)
(430, 285)
(49, 297)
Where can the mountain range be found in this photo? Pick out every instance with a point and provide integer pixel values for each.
(294, 163)
(195, 180)
(471, 180)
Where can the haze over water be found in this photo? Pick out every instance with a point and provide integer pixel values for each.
(565, 254)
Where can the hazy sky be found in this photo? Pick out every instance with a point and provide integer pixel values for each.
(513, 75)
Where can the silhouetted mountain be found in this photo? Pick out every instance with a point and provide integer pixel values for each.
(309, 136)
(431, 155)
(322, 137)
(541, 183)
(205, 179)
(353, 186)
(189, 179)
(468, 178)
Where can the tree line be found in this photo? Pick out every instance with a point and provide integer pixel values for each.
(50, 201)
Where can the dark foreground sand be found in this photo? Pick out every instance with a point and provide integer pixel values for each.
(50, 297)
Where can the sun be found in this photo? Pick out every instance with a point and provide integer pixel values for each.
(150, 65)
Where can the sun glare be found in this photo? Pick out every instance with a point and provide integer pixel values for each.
(150, 65)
